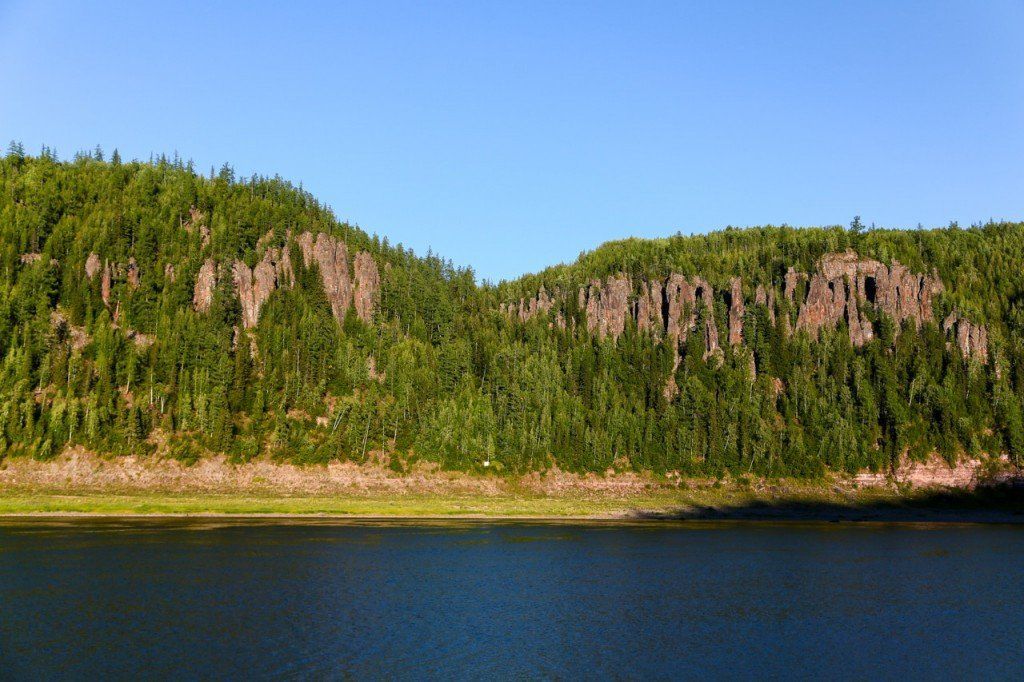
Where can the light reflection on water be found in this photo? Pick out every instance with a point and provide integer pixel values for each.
(229, 598)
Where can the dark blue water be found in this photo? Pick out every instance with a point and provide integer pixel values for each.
(195, 599)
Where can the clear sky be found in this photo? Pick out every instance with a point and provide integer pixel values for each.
(512, 136)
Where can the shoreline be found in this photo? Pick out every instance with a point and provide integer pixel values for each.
(983, 519)
(932, 507)
(78, 484)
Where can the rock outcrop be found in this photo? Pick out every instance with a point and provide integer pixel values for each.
(736, 311)
(331, 256)
(254, 286)
(366, 289)
(362, 289)
(529, 308)
(607, 305)
(790, 282)
(843, 288)
(92, 265)
(542, 303)
(274, 271)
(662, 308)
(971, 339)
(105, 283)
(206, 281)
(844, 284)
(766, 297)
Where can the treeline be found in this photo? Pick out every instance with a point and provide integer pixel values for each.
(442, 373)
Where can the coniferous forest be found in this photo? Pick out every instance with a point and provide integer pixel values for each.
(149, 309)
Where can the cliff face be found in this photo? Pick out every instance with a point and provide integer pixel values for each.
(736, 310)
(366, 287)
(206, 280)
(110, 272)
(253, 286)
(541, 303)
(844, 283)
(843, 288)
(971, 339)
(331, 256)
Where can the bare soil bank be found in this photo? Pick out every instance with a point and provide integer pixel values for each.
(82, 472)
(79, 470)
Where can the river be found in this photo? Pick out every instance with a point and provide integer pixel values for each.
(123, 599)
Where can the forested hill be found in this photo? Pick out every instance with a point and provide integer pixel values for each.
(145, 308)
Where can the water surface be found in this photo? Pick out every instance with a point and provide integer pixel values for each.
(102, 599)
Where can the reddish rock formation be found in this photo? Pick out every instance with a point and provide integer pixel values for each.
(105, 283)
(254, 287)
(305, 242)
(607, 305)
(679, 304)
(206, 280)
(133, 273)
(904, 295)
(366, 290)
(791, 280)
(860, 326)
(527, 309)
(331, 256)
(824, 306)
(971, 339)
(844, 283)
(668, 308)
(682, 298)
(285, 271)
(92, 265)
(736, 311)
(711, 347)
(844, 287)
(648, 309)
(766, 297)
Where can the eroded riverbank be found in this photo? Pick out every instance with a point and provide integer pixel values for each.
(78, 482)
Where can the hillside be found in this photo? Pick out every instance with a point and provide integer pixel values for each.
(147, 309)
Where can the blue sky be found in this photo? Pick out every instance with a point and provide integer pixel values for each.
(512, 136)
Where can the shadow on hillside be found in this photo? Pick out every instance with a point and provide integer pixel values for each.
(1001, 504)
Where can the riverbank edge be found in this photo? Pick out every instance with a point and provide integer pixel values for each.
(1004, 506)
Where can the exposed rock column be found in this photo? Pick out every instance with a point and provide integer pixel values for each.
(331, 255)
(971, 339)
(105, 283)
(736, 311)
(766, 297)
(92, 265)
(254, 287)
(607, 305)
(206, 280)
(367, 286)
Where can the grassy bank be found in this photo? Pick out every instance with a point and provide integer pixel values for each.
(800, 503)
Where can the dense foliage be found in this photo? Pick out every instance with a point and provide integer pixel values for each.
(441, 373)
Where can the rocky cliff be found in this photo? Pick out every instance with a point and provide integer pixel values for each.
(844, 288)
(253, 286)
(206, 280)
